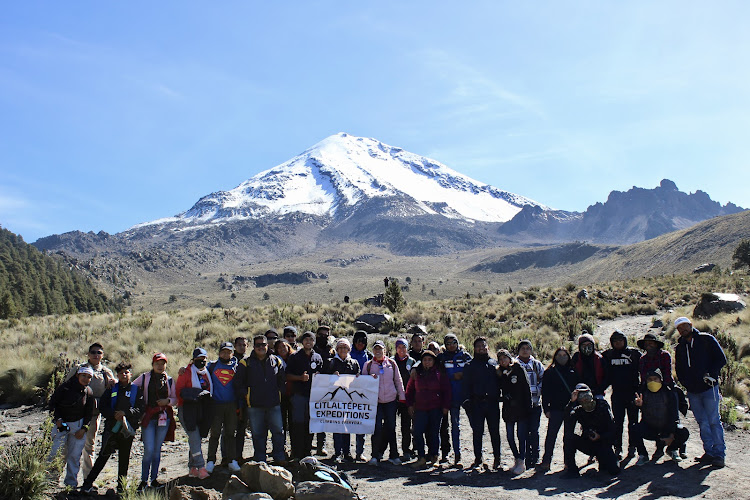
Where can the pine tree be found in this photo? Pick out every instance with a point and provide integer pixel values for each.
(393, 299)
(741, 254)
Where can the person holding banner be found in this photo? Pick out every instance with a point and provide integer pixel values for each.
(390, 390)
(300, 366)
(342, 364)
(428, 396)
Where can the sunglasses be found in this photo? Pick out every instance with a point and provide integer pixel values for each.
(96, 353)
(452, 342)
(261, 345)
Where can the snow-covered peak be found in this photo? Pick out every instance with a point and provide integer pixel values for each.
(342, 170)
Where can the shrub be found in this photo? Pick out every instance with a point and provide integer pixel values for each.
(728, 411)
(25, 471)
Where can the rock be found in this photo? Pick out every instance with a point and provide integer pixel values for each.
(374, 319)
(367, 327)
(276, 481)
(704, 268)
(234, 488)
(250, 475)
(583, 294)
(715, 303)
(313, 490)
(252, 496)
(657, 323)
(193, 493)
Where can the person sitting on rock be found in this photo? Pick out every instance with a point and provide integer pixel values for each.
(660, 420)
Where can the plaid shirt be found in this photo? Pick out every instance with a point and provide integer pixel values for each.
(662, 361)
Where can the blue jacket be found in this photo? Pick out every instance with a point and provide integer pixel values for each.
(455, 363)
(701, 355)
(361, 357)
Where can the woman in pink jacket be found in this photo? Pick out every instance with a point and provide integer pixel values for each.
(390, 391)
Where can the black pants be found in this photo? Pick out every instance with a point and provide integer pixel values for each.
(405, 421)
(643, 431)
(622, 405)
(599, 449)
(111, 443)
(481, 412)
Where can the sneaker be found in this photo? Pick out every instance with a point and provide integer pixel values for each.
(545, 466)
(193, 472)
(395, 461)
(642, 460)
(718, 462)
(89, 489)
(570, 474)
(443, 458)
(156, 484)
(373, 461)
(339, 459)
(478, 462)
(674, 456)
(203, 473)
(142, 486)
(210, 467)
(432, 459)
(234, 466)
(657, 455)
(683, 454)
(618, 454)
(421, 463)
(407, 457)
(520, 467)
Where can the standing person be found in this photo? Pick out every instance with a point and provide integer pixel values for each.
(390, 392)
(416, 346)
(194, 407)
(225, 406)
(405, 364)
(534, 374)
(361, 355)
(621, 372)
(428, 396)
(122, 406)
(72, 406)
(516, 397)
(102, 380)
(655, 358)
(265, 383)
(284, 351)
(660, 420)
(598, 429)
(290, 335)
(559, 380)
(453, 360)
(158, 424)
(240, 350)
(699, 359)
(588, 364)
(342, 364)
(323, 340)
(300, 366)
(481, 389)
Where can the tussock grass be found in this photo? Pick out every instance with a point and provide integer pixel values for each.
(549, 317)
(25, 471)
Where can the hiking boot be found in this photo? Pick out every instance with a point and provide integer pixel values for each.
(674, 456)
(89, 489)
(373, 461)
(395, 461)
(142, 486)
(421, 463)
(359, 458)
(348, 457)
(432, 459)
(156, 484)
(545, 466)
(210, 467)
(704, 459)
(443, 458)
(642, 460)
(657, 455)
(718, 462)
(478, 462)
(407, 457)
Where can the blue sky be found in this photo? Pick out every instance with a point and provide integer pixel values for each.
(112, 114)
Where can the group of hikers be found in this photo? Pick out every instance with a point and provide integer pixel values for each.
(422, 389)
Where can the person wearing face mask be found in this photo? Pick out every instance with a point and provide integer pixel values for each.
(559, 380)
(660, 421)
(597, 432)
(621, 372)
(323, 340)
(194, 389)
(481, 390)
(342, 364)
(516, 397)
(587, 363)
(655, 358)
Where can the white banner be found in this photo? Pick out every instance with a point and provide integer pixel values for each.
(345, 404)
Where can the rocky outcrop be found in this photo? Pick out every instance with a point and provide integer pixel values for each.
(194, 493)
(712, 304)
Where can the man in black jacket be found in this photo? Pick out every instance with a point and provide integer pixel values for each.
(265, 381)
(698, 362)
(660, 420)
(481, 390)
(299, 369)
(122, 407)
(621, 372)
(72, 405)
(598, 430)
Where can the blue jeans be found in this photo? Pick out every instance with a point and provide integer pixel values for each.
(261, 421)
(385, 430)
(427, 423)
(532, 435)
(71, 450)
(342, 444)
(153, 437)
(521, 428)
(445, 443)
(705, 406)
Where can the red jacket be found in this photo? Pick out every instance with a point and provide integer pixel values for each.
(428, 390)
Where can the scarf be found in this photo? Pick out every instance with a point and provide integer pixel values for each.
(195, 381)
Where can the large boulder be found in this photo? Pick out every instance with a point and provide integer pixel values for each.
(367, 327)
(314, 490)
(276, 481)
(236, 489)
(715, 303)
(374, 319)
(704, 268)
(193, 493)
(250, 475)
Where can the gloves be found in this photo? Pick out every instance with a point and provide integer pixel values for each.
(204, 394)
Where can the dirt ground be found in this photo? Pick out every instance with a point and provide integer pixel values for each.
(665, 479)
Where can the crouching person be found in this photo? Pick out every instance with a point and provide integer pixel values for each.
(122, 407)
(598, 432)
(72, 405)
(194, 390)
(660, 420)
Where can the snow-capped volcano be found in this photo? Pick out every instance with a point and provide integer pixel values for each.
(341, 171)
